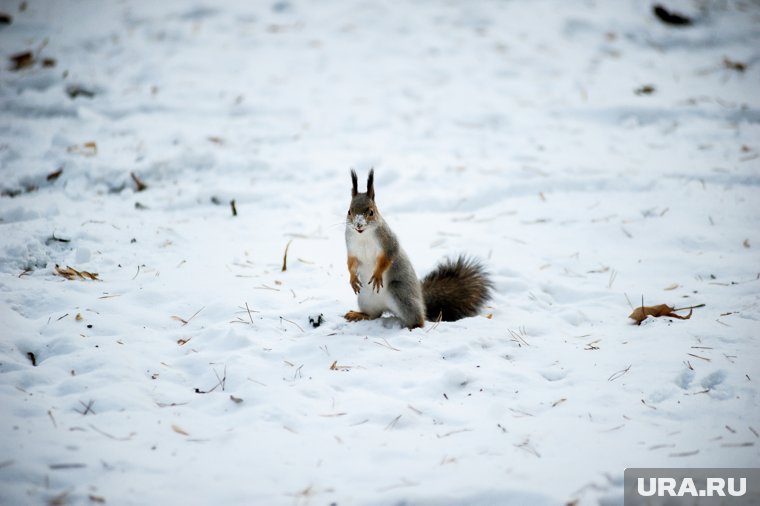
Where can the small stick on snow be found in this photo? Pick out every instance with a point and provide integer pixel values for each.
(387, 345)
(437, 321)
(613, 275)
(452, 432)
(517, 337)
(294, 323)
(234, 208)
(683, 454)
(620, 373)
(249, 312)
(87, 408)
(185, 322)
(393, 423)
(525, 445)
(138, 183)
(285, 257)
(111, 436)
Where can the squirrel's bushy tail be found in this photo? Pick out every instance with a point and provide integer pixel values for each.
(456, 289)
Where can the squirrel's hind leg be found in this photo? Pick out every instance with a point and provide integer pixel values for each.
(406, 303)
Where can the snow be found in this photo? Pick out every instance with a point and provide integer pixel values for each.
(507, 130)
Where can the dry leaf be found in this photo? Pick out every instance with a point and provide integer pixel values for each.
(76, 90)
(54, 175)
(671, 287)
(183, 342)
(180, 319)
(640, 313)
(178, 430)
(22, 60)
(647, 89)
(71, 273)
(734, 65)
(78, 317)
(87, 149)
(669, 17)
(236, 400)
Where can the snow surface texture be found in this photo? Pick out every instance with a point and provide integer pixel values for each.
(512, 131)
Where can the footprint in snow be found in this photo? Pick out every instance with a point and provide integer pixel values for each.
(715, 383)
(684, 379)
(554, 374)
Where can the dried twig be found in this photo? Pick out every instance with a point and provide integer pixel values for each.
(525, 445)
(292, 322)
(185, 322)
(618, 374)
(437, 321)
(221, 382)
(71, 273)
(138, 182)
(87, 408)
(393, 423)
(517, 336)
(386, 344)
(285, 257)
(111, 436)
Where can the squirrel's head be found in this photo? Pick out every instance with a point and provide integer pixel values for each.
(362, 213)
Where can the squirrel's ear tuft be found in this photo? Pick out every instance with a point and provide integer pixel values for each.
(354, 183)
(371, 184)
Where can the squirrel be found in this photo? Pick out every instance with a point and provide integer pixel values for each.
(384, 280)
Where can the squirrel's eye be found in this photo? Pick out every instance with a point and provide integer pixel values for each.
(372, 213)
(349, 212)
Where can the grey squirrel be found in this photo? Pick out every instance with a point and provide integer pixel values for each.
(384, 280)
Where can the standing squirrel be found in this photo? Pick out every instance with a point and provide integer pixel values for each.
(384, 280)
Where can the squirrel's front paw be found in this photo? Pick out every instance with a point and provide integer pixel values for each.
(356, 285)
(376, 282)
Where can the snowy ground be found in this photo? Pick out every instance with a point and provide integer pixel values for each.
(509, 130)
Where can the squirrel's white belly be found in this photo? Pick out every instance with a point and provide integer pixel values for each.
(366, 249)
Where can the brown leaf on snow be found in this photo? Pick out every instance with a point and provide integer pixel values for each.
(86, 149)
(54, 175)
(22, 60)
(646, 89)
(71, 273)
(641, 313)
(734, 65)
